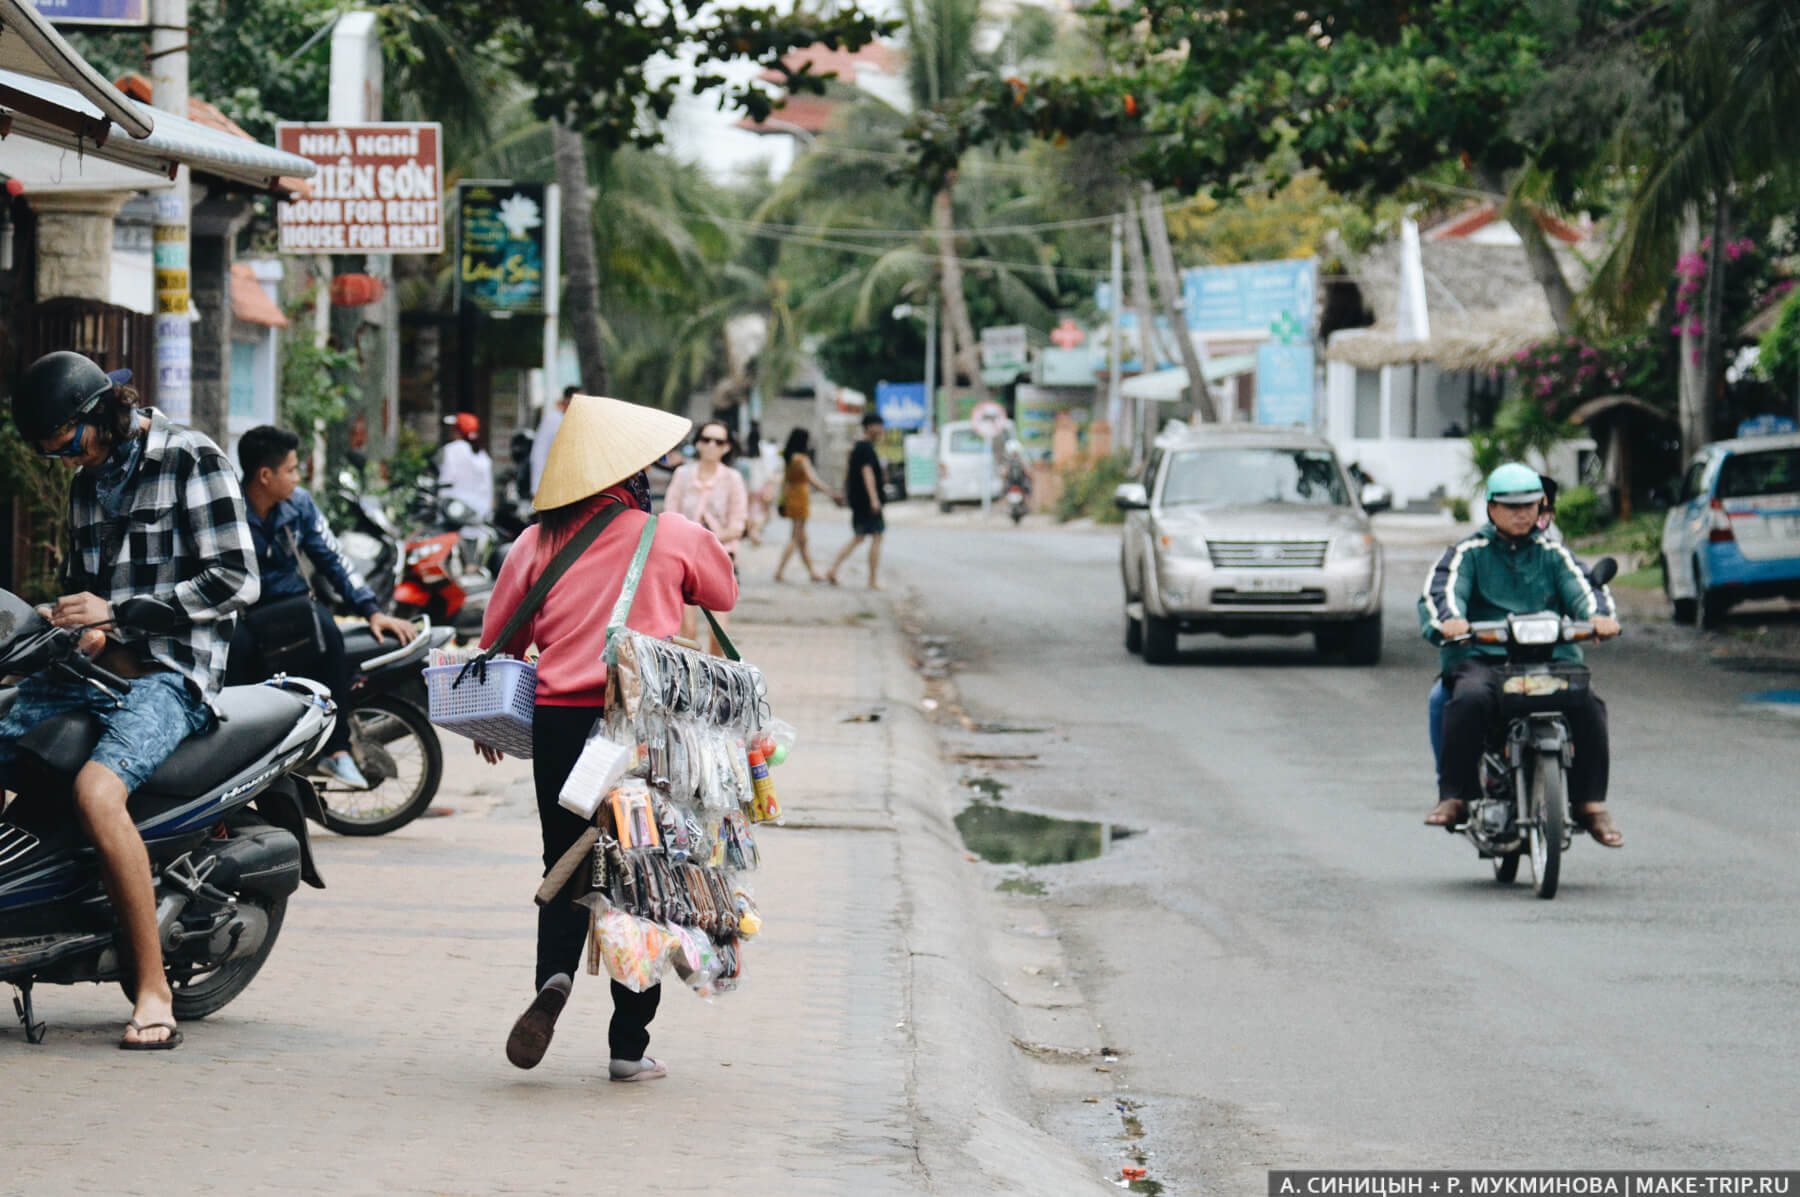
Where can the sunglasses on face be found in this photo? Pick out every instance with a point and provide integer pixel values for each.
(711, 440)
(74, 448)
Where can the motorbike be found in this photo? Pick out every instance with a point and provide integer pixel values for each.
(370, 541)
(448, 570)
(223, 820)
(1015, 502)
(392, 739)
(1523, 810)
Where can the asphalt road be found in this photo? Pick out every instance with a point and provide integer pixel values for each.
(1297, 973)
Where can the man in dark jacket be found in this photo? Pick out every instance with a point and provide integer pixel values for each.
(284, 524)
(1509, 567)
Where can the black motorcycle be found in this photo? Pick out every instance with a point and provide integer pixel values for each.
(370, 540)
(223, 819)
(1523, 809)
(392, 739)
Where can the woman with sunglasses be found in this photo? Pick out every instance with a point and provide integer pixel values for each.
(713, 495)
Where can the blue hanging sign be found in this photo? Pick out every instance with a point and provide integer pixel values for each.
(1766, 425)
(1250, 296)
(1284, 384)
(902, 405)
(94, 12)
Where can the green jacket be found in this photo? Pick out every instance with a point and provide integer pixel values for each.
(1485, 576)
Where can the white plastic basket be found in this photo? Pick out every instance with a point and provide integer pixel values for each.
(495, 711)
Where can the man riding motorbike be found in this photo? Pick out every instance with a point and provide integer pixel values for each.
(154, 510)
(284, 523)
(1510, 567)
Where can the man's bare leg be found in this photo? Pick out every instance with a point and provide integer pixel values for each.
(874, 560)
(125, 866)
(843, 556)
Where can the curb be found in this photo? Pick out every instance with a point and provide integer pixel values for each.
(966, 1084)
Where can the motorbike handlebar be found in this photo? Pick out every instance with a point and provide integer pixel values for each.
(82, 667)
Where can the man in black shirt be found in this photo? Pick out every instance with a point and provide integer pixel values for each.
(862, 490)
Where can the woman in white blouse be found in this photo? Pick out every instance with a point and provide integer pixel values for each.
(713, 495)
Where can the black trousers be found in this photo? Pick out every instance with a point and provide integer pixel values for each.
(558, 735)
(245, 665)
(1474, 703)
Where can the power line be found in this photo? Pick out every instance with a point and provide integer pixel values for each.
(909, 234)
(875, 251)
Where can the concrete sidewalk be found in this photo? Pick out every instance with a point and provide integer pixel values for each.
(868, 1051)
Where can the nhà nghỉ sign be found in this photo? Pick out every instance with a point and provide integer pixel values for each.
(379, 189)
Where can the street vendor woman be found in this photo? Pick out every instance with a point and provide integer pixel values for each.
(596, 464)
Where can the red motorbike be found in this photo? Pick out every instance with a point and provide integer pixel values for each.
(444, 575)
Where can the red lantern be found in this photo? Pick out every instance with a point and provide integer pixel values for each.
(356, 290)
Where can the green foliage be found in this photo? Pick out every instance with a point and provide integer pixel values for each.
(315, 393)
(1088, 490)
(889, 351)
(600, 65)
(1564, 373)
(1578, 511)
(41, 487)
(1459, 509)
(1779, 360)
(411, 460)
(1523, 431)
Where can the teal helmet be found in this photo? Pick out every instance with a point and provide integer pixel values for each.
(1515, 485)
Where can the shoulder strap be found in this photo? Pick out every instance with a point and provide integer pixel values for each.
(628, 591)
(534, 598)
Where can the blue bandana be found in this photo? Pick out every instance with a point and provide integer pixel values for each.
(115, 474)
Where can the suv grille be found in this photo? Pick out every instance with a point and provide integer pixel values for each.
(1267, 554)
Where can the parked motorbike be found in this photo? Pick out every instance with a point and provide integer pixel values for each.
(370, 541)
(1523, 810)
(449, 568)
(223, 820)
(392, 739)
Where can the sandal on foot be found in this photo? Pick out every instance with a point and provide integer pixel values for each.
(1446, 814)
(645, 1069)
(1597, 820)
(151, 1045)
(530, 1037)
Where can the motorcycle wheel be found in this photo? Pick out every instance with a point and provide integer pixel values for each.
(405, 735)
(1549, 815)
(207, 993)
(1506, 868)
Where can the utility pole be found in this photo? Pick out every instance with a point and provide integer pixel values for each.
(169, 230)
(1115, 406)
(931, 387)
(1168, 286)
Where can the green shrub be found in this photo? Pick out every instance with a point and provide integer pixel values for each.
(1459, 509)
(1088, 490)
(1578, 511)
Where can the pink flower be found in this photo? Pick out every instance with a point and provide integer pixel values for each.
(1675, 330)
(1588, 351)
(1544, 383)
(1554, 358)
(1584, 372)
(1734, 251)
(1695, 357)
(1521, 355)
(1681, 307)
(1695, 328)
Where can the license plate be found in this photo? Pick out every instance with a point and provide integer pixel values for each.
(1269, 584)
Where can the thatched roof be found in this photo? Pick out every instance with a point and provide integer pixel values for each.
(1484, 306)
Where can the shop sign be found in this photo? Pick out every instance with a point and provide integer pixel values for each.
(94, 12)
(379, 189)
(500, 246)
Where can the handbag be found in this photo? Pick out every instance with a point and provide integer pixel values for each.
(287, 630)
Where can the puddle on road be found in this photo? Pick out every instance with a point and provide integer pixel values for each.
(1001, 836)
(1784, 702)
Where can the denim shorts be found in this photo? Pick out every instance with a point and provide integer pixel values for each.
(139, 730)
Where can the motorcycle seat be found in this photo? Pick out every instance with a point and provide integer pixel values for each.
(360, 645)
(257, 718)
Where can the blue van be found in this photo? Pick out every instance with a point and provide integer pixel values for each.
(1734, 532)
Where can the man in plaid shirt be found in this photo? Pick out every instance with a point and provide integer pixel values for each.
(155, 510)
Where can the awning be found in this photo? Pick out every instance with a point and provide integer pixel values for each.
(31, 46)
(1167, 386)
(250, 301)
(174, 141)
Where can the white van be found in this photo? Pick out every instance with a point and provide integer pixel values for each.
(961, 468)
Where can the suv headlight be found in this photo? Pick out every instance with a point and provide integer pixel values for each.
(1351, 546)
(1183, 546)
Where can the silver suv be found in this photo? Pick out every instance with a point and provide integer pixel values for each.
(1248, 530)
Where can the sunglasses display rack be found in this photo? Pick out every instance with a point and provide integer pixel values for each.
(675, 778)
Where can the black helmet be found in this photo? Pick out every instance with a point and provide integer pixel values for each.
(56, 389)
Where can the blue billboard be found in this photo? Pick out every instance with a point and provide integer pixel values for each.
(1284, 384)
(1249, 297)
(94, 12)
(902, 405)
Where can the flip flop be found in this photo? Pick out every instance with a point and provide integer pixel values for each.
(1597, 821)
(646, 1069)
(154, 1045)
(530, 1037)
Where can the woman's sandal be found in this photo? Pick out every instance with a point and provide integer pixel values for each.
(1597, 820)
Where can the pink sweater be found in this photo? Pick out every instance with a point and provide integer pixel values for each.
(686, 565)
(722, 506)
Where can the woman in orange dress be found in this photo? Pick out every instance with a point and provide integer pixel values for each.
(799, 480)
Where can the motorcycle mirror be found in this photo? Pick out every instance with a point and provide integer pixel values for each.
(17, 616)
(145, 614)
(1604, 571)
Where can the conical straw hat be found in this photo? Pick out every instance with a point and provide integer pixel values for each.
(602, 442)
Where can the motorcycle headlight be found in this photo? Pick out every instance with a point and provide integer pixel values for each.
(1540, 629)
(1352, 545)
